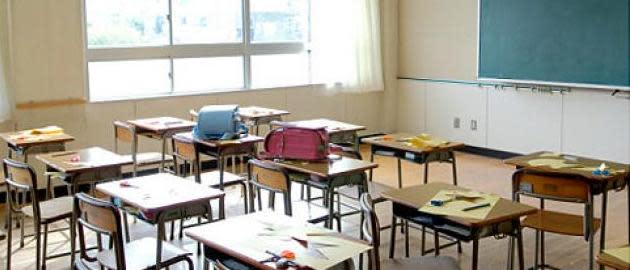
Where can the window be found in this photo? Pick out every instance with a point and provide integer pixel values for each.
(146, 48)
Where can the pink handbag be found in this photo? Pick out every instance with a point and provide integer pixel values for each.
(293, 142)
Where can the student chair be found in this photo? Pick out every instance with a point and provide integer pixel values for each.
(126, 133)
(370, 230)
(563, 188)
(274, 179)
(185, 150)
(102, 218)
(20, 177)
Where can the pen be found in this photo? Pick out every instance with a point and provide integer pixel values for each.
(476, 207)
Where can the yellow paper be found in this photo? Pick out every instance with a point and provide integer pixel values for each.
(424, 140)
(552, 163)
(47, 130)
(550, 154)
(454, 208)
(622, 254)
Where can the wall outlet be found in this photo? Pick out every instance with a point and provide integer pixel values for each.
(456, 122)
(473, 124)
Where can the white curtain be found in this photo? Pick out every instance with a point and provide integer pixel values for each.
(5, 104)
(346, 45)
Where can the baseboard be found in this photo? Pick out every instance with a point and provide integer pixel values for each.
(487, 152)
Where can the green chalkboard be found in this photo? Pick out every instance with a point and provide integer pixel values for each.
(561, 41)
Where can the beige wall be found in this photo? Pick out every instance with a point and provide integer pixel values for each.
(47, 53)
(438, 40)
(48, 64)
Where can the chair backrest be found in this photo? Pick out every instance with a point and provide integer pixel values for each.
(184, 149)
(125, 132)
(20, 176)
(370, 229)
(556, 187)
(102, 218)
(273, 178)
(552, 186)
(194, 115)
(269, 176)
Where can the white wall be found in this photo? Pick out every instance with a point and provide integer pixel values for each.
(47, 63)
(438, 41)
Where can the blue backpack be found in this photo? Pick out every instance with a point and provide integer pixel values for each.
(219, 122)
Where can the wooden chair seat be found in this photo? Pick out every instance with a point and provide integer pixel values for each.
(140, 254)
(424, 263)
(51, 210)
(211, 179)
(556, 222)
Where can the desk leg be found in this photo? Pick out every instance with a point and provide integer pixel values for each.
(160, 237)
(371, 160)
(475, 254)
(221, 172)
(163, 155)
(399, 173)
(392, 238)
(426, 172)
(519, 243)
(453, 163)
(602, 233)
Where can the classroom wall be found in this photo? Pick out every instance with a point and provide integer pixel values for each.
(438, 40)
(47, 63)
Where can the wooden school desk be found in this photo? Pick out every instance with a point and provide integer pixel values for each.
(328, 175)
(339, 132)
(246, 239)
(163, 197)
(599, 184)
(503, 219)
(95, 164)
(219, 149)
(254, 117)
(397, 147)
(608, 260)
(21, 143)
(161, 128)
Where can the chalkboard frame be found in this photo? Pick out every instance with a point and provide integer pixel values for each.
(533, 82)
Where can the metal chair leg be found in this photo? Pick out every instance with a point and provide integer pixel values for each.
(392, 238)
(126, 224)
(38, 246)
(45, 246)
(9, 235)
(21, 230)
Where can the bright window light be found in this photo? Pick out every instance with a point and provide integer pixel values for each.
(208, 74)
(117, 79)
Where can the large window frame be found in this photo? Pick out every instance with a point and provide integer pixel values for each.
(245, 49)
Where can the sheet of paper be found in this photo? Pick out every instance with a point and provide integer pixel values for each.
(277, 237)
(552, 163)
(622, 254)
(455, 208)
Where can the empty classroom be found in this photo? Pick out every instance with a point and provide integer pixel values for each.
(314, 134)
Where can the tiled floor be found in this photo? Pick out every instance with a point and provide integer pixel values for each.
(481, 173)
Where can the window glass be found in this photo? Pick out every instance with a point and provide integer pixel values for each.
(207, 21)
(279, 70)
(124, 79)
(279, 20)
(124, 23)
(204, 74)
